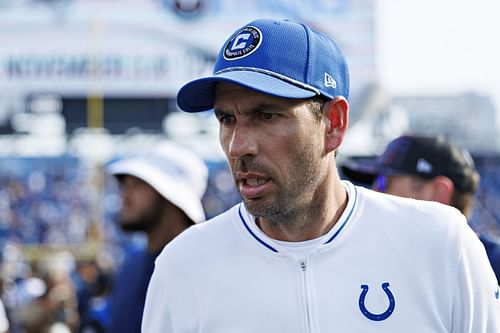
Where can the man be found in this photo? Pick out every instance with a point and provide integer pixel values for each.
(161, 193)
(304, 251)
(426, 168)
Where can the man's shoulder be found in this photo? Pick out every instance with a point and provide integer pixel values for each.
(401, 205)
(412, 214)
(431, 228)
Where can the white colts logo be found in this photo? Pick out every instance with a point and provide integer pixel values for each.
(240, 42)
(330, 81)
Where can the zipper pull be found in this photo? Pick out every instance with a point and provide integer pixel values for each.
(303, 265)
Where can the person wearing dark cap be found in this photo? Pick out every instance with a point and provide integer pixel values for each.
(305, 251)
(426, 168)
(161, 193)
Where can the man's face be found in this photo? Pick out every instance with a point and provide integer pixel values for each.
(404, 186)
(142, 206)
(274, 146)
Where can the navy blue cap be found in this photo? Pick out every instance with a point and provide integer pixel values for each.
(422, 156)
(275, 57)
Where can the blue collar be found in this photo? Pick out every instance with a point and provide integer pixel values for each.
(339, 226)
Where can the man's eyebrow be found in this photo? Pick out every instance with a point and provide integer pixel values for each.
(262, 107)
(267, 106)
(220, 112)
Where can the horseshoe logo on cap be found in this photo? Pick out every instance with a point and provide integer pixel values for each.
(373, 316)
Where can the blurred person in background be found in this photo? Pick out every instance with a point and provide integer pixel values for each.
(426, 168)
(161, 196)
(93, 281)
(53, 305)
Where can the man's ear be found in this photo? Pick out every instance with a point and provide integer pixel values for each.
(443, 189)
(336, 117)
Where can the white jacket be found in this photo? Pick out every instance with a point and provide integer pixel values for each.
(388, 265)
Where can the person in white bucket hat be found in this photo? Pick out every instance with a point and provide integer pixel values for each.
(161, 194)
(176, 173)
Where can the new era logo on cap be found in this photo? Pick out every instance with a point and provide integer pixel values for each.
(424, 166)
(330, 81)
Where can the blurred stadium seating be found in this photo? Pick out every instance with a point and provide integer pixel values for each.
(43, 200)
(52, 200)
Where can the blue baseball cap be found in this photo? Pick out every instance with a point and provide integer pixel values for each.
(275, 57)
(423, 156)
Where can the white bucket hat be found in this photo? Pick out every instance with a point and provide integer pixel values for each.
(175, 172)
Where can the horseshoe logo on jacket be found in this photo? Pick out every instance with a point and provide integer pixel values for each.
(373, 316)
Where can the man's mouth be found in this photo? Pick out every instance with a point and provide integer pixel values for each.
(252, 185)
(254, 181)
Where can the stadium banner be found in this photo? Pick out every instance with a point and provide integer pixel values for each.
(151, 47)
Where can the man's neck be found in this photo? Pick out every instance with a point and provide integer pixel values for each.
(312, 222)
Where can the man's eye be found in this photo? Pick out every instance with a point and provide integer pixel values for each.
(267, 115)
(226, 119)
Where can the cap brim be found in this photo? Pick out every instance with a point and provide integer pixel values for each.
(198, 95)
(363, 172)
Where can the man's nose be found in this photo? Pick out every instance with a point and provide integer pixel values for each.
(243, 142)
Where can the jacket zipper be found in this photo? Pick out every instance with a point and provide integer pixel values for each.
(303, 267)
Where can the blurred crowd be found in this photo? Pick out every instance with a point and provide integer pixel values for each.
(43, 200)
(486, 215)
(57, 267)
